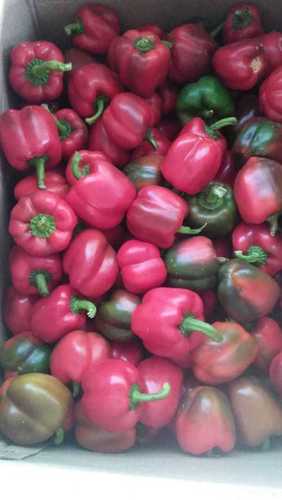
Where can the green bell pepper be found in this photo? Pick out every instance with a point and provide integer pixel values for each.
(25, 354)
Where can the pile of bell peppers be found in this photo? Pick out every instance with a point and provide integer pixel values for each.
(145, 268)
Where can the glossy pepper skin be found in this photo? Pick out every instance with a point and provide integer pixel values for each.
(91, 264)
(25, 354)
(268, 335)
(17, 311)
(131, 351)
(169, 322)
(36, 71)
(141, 60)
(204, 422)
(113, 319)
(254, 243)
(60, 313)
(275, 373)
(158, 144)
(72, 131)
(100, 194)
(34, 275)
(246, 293)
(144, 171)
(220, 362)
(33, 408)
(42, 224)
(100, 140)
(243, 21)
(94, 28)
(269, 96)
(54, 182)
(192, 263)
(34, 131)
(114, 394)
(141, 266)
(90, 88)
(191, 52)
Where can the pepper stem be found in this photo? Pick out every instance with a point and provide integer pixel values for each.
(38, 70)
(255, 255)
(64, 128)
(100, 105)
(225, 122)
(144, 44)
(215, 32)
(42, 226)
(136, 397)
(82, 305)
(273, 221)
(75, 28)
(241, 19)
(41, 283)
(190, 230)
(151, 139)
(59, 437)
(192, 324)
(75, 168)
(39, 164)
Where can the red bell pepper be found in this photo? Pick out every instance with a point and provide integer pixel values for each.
(170, 127)
(131, 351)
(170, 321)
(42, 224)
(270, 95)
(90, 89)
(54, 182)
(268, 335)
(72, 131)
(36, 71)
(152, 28)
(90, 263)
(243, 21)
(35, 134)
(155, 103)
(77, 58)
(141, 266)
(114, 394)
(100, 140)
(160, 141)
(255, 244)
(17, 311)
(94, 28)
(100, 193)
(168, 94)
(227, 171)
(60, 313)
(275, 373)
(191, 52)
(141, 60)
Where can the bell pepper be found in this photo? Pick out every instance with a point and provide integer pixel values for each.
(94, 28)
(170, 323)
(207, 98)
(54, 182)
(198, 152)
(141, 60)
(269, 97)
(36, 71)
(144, 171)
(275, 373)
(220, 362)
(24, 354)
(254, 243)
(100, 140)
(155, 103)
(168, 94)
(246, 293)
(77, 58)
(33, 408)
(113, 319)
(114, 395)
(60, 313)
(34, 131)
(100, 194)
(159, 144)
(204, 422)
(72, 131)
(268, 335)
(91, 264)
(243, 21)
(191, 52)
(258, 192)
(94, 438)
(247, 107)
(153, 28)
(131, 351)
(17, 311)
(227, 171)
(192, 263)
(42, 224)
(258, 415)
(141, 266)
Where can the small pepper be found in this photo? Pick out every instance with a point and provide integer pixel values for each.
(72, 131)
(275, 373)
(100, 140)
(131, 351)
(144, 171)
(268, 335)
(243, 21)
(227, 171)
(159, 144)
(36, 71)
(54, 182)
(25, 354)
(269, 97)
(17, 311)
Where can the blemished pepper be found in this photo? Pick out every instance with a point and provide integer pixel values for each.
(100, 140)
(113, 319)
(131, 351)
(34, 131)
(42, 223)
(193, 264)
(243, 21)
(36, 71)
(215, 208)
(275, 373)
(17, 311)
(34, 275)
(72, 131)
(93, 28)
(60, 313)
(204, 422)
(220, 362)
(268, 335)
(24, 354)
(159, 143)
(33, 408)
(141, 60)
(54, 182)
(144, 171)
(91, 264)
(245, 292)
(269, 96)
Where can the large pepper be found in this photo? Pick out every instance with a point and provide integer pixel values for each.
(243, 21)
(192, 263)
(33, 408)
(204, 422)
(268, 335)
(34, 131)
(245, 292)
(191, 52)
(144, 171)
(269, 96)
(254, 243)
(36, 71)
(215, 208)
(159, 143)
(141, 266)
(24, 354)
(91, 264)
(100, 140)
(131, 351)
(220, 362)
(100, 193)
(275, 373)
(54, 182)
(72, 131)
(113, 317)
(17, 311)
(170, 323)
(94, 28)
(90, 88)
(42, 223)
(60, 313)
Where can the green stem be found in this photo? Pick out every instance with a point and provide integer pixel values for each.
(39, 164)
(100, 105)
(42, 226)
(82, 305)
(136, 397)
(75, 167)
(225, 122)
(38, 70)
(255, 255)
(64, 128)
(41, 283)
(75, 28)
(151, 139)
(144, 44)
(167, 44)
(59, 437)
(215, 32)
(192, 324)
(241, 19)
(190, 230)
(273, 221)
